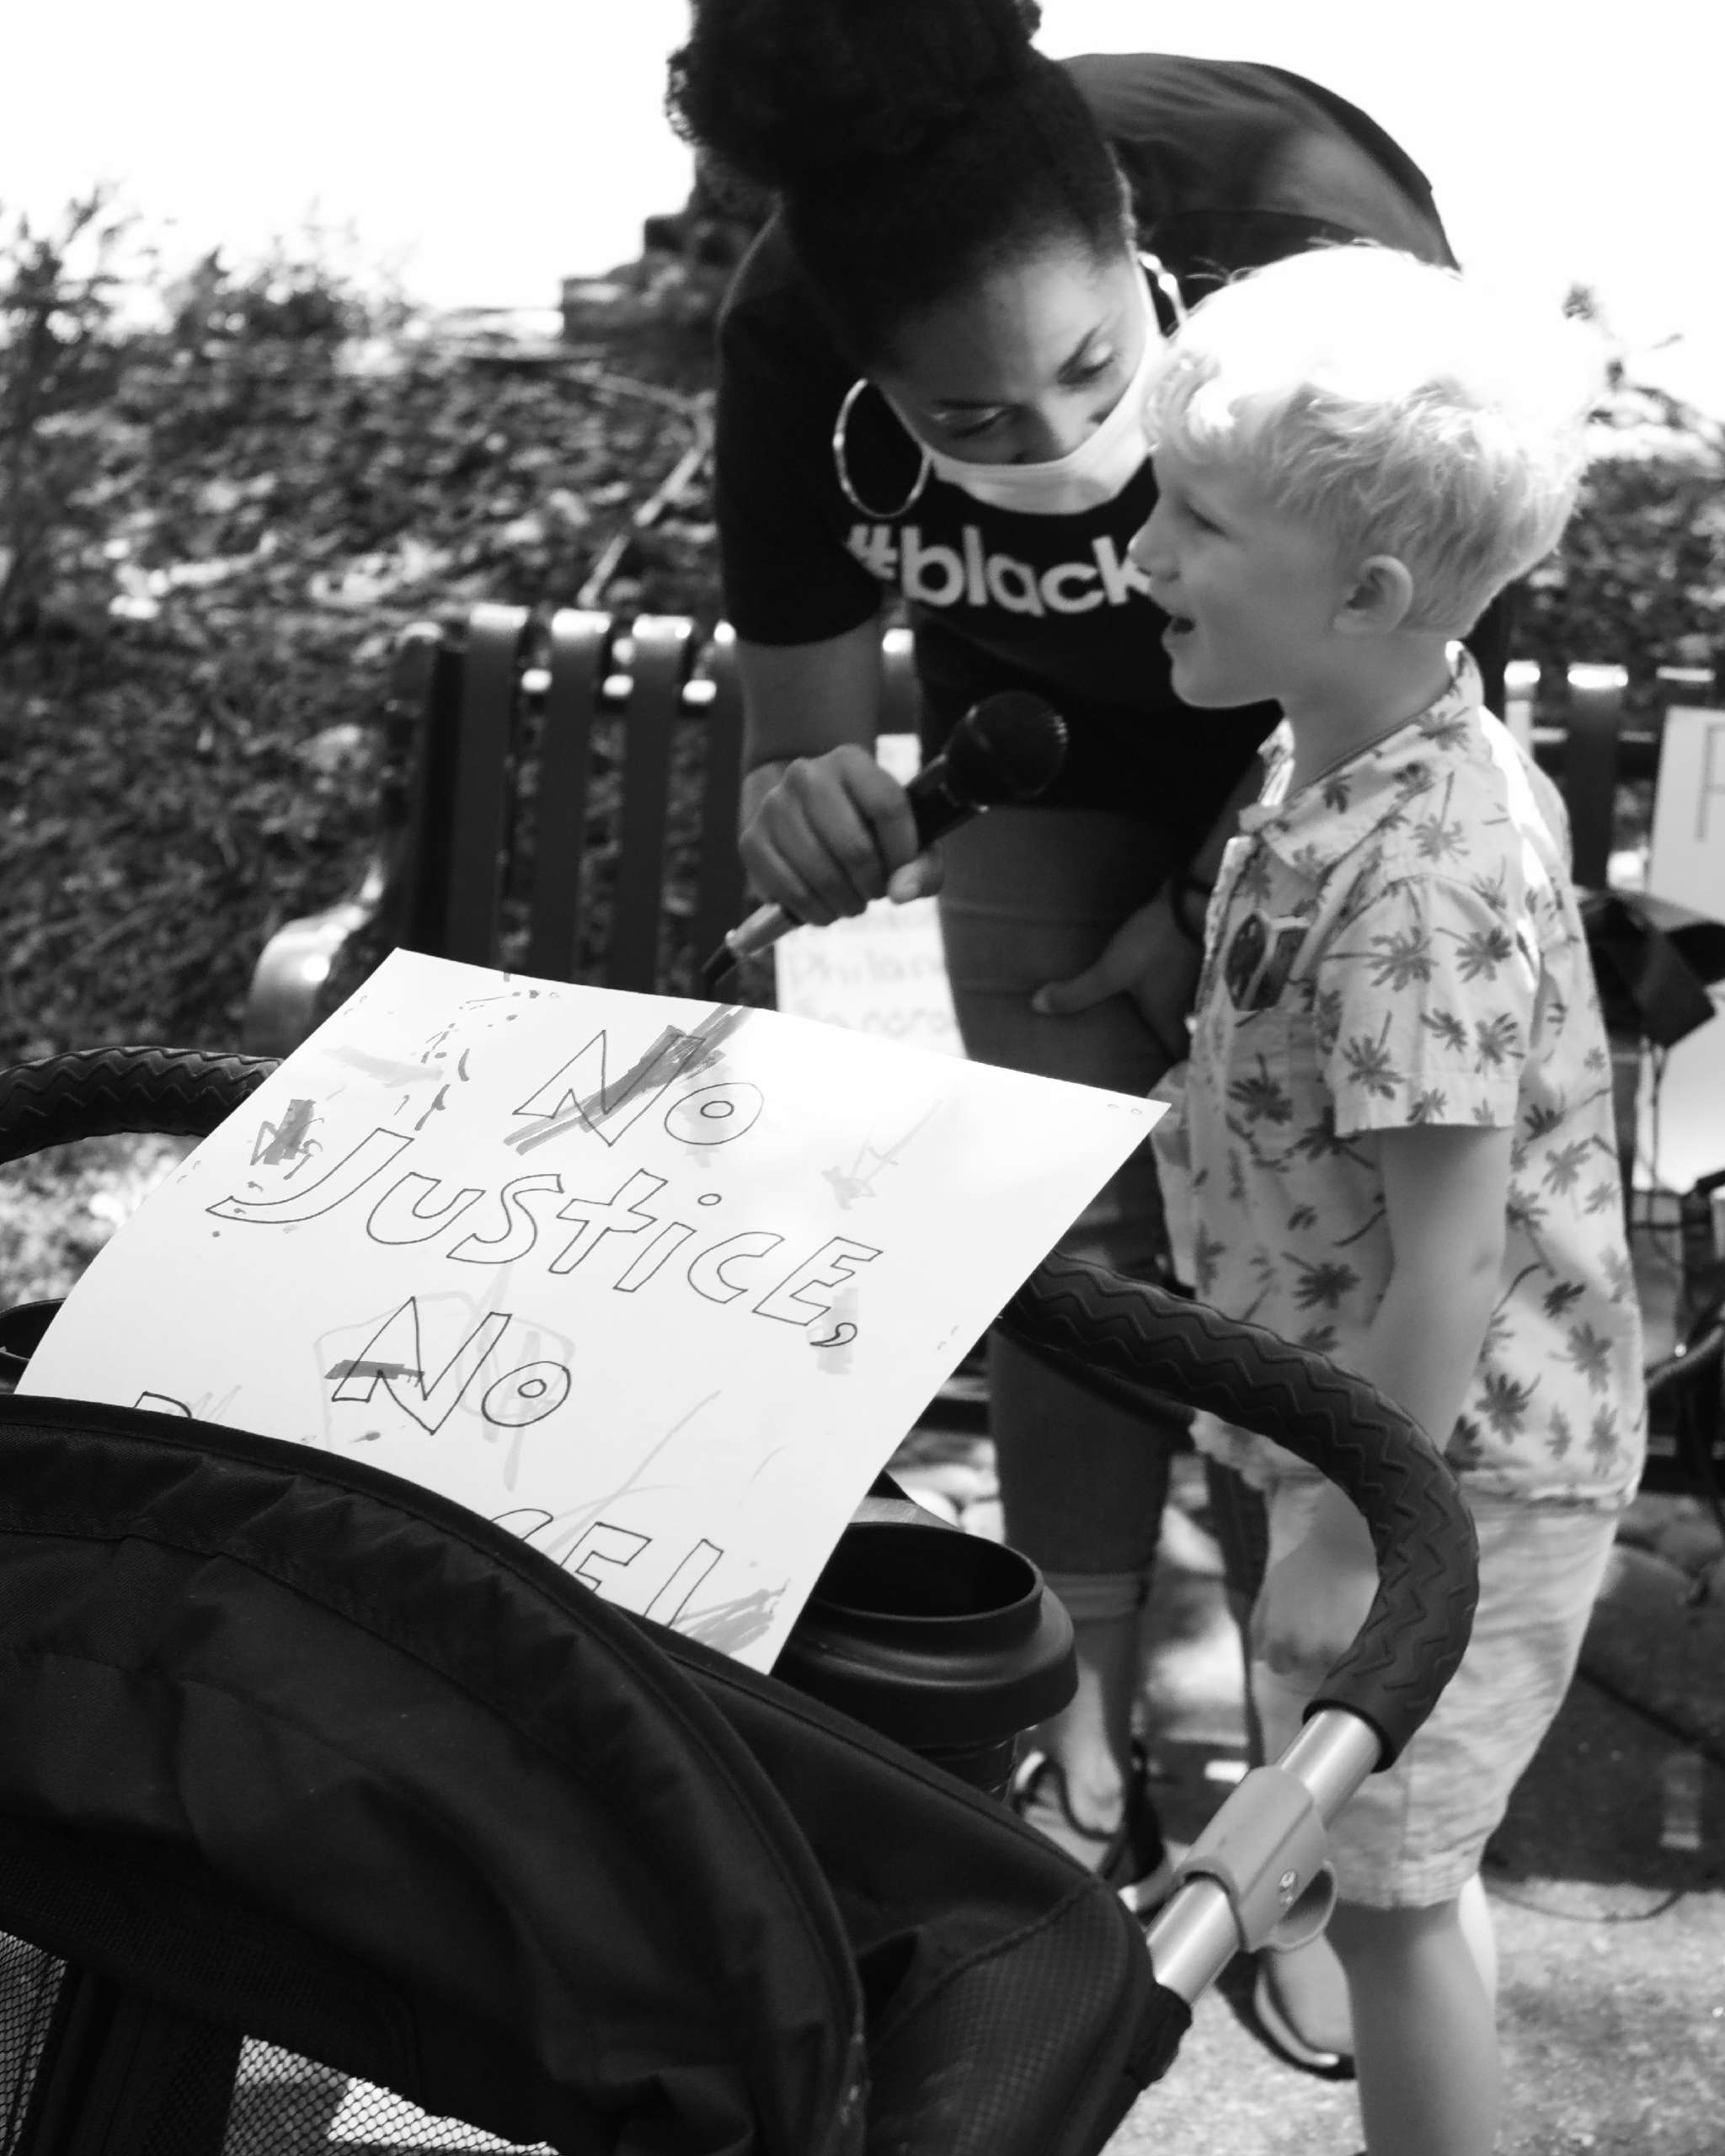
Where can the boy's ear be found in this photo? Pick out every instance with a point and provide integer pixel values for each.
(1380, 600)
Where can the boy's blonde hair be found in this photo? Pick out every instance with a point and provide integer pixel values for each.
(1395, 406)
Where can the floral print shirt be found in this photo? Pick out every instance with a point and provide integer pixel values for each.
(1399, 942)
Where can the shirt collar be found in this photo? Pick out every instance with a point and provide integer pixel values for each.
(1326, 818)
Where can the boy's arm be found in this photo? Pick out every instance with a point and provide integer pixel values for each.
(1446, 1192)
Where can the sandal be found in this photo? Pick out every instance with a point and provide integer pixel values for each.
(1131, 1856)
(1283, 2038)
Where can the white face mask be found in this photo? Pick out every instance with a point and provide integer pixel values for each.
(1086, 478)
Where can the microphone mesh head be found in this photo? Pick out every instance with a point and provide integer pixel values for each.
(1009, 747)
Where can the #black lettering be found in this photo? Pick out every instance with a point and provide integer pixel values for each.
(1012, 585)
(1060, 599)
(1121, 576)
(932, 575)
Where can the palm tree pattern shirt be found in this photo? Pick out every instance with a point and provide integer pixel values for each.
(1397, 943)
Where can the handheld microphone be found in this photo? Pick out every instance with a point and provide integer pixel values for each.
(1008, 748)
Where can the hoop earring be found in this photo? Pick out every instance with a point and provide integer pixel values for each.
(1166, 283)
(842, 462)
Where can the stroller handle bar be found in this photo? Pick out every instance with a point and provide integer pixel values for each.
(1076, 1313)
(1258, 1871)
(1259, 1867)
(101, 1092)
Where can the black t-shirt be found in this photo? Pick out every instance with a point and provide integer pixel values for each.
(1231, 165)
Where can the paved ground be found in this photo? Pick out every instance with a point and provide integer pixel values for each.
(1613, 2003)
(1612, 2009)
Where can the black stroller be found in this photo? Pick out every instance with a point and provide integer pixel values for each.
(318, 1793)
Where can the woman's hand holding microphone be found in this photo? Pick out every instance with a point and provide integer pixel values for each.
(823, 835)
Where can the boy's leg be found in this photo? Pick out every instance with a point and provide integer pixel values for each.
(1425, 2038)
(1414, 1930)
(1300, 1995)
(1473, 1912)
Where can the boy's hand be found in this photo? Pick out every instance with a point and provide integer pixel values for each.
(1312, 1603)
(1149, 958)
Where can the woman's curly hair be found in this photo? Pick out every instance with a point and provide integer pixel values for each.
(912, 144)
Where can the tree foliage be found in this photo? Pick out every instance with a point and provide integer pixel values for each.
(214, 519)
(60, 364)
(233, 510)
(1639, 580)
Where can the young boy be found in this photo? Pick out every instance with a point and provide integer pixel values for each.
(1396, 1143)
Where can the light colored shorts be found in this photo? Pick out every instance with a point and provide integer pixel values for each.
(1415, 1835)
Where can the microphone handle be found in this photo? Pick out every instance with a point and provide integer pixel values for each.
(936, 812)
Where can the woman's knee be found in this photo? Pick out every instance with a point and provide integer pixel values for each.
(1083, 1483)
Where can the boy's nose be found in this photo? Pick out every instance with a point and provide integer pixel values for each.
(1147, 549)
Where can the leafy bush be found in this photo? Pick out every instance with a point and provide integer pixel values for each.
(270, 479)
(60, 364)
(1640, 580)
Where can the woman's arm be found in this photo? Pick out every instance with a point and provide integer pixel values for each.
(1446, 1198)
(823, 829)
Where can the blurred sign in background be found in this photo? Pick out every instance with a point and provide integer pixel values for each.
(485, 154)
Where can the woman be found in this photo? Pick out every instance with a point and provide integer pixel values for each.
(931, 366)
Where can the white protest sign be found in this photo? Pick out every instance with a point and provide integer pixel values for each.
(1687, 851)
(1680, 1132)
(1682, 1110)
(659, 1284)
(883, 971)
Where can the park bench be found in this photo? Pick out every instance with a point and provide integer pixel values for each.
(558, 796)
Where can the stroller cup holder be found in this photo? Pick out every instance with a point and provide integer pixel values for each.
(946, 1642)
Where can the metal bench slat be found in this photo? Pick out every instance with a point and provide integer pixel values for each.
(663, 648)
(580, 653)
(479, 826)
(718, 889)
